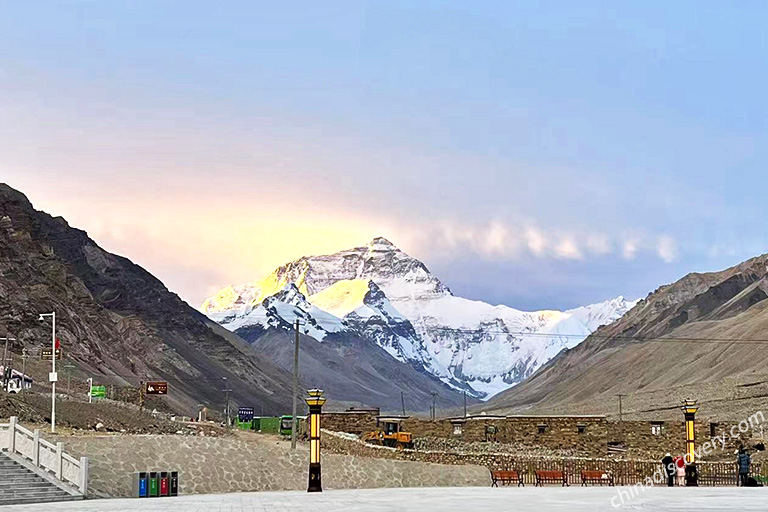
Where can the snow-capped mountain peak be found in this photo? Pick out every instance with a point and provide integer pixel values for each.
(400, 275)
(391, 298)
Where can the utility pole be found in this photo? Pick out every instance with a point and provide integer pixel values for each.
(68, 368)
(141, 396)
(23, 370)
(621, 417)
(6, 371)
(434, 406)
(89, 380)
(227, 389)
(295, 384)
(402, 401)
(465, 403)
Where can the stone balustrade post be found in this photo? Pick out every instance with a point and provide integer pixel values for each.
(12, 435)
(36, 448)
(84, 475)
(59, 459)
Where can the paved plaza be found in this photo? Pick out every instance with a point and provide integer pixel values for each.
(473, 499)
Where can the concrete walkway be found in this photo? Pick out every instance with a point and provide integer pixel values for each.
(473, 499)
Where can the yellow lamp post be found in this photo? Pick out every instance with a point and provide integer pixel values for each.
(315, 402)
(689, 410)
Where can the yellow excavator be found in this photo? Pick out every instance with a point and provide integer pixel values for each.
(388, 433)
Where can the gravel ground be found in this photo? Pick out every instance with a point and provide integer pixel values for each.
(78, 417)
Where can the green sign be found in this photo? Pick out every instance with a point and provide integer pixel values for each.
(99, 391)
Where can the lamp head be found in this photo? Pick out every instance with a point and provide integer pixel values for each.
(690, 406)
(315, 397)
(41, 318)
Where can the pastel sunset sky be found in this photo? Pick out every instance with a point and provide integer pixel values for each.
(537, 154)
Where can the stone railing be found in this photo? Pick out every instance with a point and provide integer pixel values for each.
(47, 456)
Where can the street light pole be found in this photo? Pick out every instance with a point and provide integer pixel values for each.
(315, 402)
(53, 377)
(690, 407)
(295, 384)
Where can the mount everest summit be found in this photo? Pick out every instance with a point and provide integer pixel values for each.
(382, 295)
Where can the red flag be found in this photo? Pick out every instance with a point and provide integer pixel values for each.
(58, 344)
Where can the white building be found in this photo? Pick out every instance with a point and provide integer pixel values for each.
(17, 380)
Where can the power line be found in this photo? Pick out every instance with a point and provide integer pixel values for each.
(724, 341)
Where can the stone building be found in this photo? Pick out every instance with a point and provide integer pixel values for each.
(590, 435)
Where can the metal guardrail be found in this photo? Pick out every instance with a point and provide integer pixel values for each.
(45, 455)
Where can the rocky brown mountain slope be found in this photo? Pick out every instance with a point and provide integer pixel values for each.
(704, 337)
(117, 322)
(355, 371)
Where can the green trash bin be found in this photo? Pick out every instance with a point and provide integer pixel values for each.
(154, 484)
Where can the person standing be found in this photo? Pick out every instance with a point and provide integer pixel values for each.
(680, 468)
(743, 461)
(668, 463)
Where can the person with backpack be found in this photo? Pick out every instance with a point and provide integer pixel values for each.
(743, 461)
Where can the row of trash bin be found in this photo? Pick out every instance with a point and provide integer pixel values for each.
(156, 484)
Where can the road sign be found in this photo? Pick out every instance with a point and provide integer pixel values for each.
(245, 413)
(53, 376)
(46, 354)
(99, 391)
(157, 388)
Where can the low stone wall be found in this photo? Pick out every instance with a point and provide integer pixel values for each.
(655, 438)
(579, 434)
(335, 443)
(352, 422)
(565, 435)
(249, 463)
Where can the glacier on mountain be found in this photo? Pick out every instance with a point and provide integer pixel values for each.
(388, 297)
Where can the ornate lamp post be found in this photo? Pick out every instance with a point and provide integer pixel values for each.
(689, 410)
(315, 402)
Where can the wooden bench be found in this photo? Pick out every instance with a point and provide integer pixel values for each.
(543, 477)
(506, 477)
(596, 477)
(717, 478)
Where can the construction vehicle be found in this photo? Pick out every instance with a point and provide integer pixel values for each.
(389, 433)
